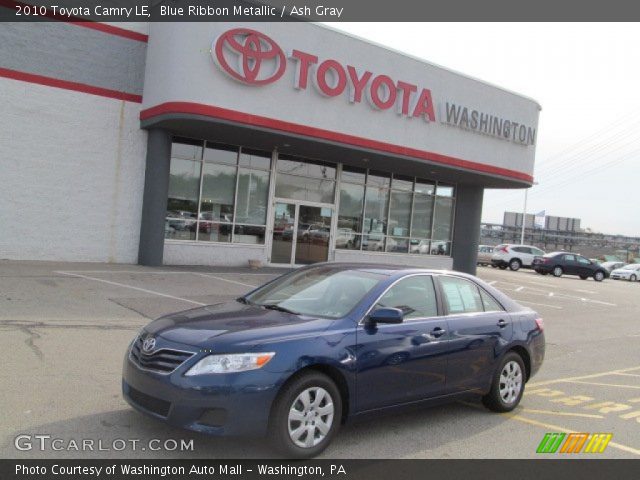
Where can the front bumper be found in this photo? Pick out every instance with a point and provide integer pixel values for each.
(234, 404)
(617, 276)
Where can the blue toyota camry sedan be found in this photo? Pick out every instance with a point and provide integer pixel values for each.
(302, 354)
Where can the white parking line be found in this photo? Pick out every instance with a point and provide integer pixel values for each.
(131, 287)
(540, 304)
(493, 282)
(519, 289)
(225, 279)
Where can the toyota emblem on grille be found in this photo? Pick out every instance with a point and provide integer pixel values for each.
(149, 344)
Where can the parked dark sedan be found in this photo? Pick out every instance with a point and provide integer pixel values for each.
(299, 356)
(564, 263)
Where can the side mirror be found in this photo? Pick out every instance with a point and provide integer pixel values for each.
(385, 315)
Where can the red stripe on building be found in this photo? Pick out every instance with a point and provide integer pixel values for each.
(80, 22)
(260, 121)
(66, 85)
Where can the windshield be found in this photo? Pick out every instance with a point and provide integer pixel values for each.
(322, 291)
(631, 266)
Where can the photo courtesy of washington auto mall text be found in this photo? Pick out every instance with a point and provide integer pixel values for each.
(319, 239)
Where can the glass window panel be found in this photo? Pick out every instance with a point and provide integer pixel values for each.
(347, 240)
(415, 296)
(375, 217)
(351, 202)
(303, 188)
(179, 229)
(353, 174)
(461, 296)
(439, 247)
(399, 213)
(215, 153)
(401, 182)
(306, 168)
(490, 304)
(373, 242)
(397, 245)
(186, 149)
(379, 179)
(255, 159)
(424, 186)
(419, 245)
(248, 234)
(443, 218)
(252, 198)
(218, 187)
(421, 216)
(444, 191)
(214, 232)
(184, 181)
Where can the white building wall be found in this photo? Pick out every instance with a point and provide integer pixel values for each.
(72, 175)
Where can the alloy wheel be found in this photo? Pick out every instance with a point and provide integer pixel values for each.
(310, 417)
(510, 382)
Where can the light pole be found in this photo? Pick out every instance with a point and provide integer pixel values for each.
(524, 214)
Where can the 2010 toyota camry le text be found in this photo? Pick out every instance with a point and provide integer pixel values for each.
(299, 356)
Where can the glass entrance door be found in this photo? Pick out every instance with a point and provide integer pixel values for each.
(301, 233)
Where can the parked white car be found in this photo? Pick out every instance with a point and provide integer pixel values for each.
(514, 256)
(629, 272)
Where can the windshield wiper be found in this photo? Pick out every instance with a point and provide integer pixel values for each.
(275, 306)
(243, 300)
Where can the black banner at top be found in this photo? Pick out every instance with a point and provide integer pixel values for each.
(317, 10)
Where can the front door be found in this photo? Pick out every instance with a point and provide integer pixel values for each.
(301, 233)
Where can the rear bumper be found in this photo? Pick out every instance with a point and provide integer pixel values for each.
(537, 351)
(542, 268)
(499, 262)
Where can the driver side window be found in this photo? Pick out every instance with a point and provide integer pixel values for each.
(415, 296)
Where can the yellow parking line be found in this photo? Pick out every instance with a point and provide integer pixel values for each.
(603, 384)
(560, 414)
(582, 377)
(556, 428)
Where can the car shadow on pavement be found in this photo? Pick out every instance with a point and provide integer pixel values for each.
(413, 433)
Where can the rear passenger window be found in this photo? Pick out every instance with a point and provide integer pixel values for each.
(415, 296)
(490, 305)
(460, 295)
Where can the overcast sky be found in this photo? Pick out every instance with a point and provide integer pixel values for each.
(587, 79)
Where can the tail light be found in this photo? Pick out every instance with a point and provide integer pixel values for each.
(504, 249)
(540, 324)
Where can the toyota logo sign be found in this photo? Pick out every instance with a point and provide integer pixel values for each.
(249, 56)
(148, 345)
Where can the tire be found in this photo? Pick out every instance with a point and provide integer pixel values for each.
(511, 377)
(557, 271)
(598, 276)
(515, 264)
(282, 427)
(633, 278)
(583, 277)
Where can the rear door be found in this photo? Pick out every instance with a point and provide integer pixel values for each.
(478, 326)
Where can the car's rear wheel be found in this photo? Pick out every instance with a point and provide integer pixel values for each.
(515, 264)
(598, 276)
(633, 278)
(306, 416)
(507, 386)
(557, 271)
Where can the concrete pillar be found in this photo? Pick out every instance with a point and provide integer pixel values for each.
(466, 228)
(154, 203)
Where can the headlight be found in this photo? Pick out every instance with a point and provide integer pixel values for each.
(237, 362)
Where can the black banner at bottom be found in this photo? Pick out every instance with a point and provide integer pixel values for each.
(583, 468)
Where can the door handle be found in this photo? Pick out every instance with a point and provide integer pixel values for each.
(438, 332)
(502, 323)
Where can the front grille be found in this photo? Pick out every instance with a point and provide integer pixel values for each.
(163, 360)
(153, 404)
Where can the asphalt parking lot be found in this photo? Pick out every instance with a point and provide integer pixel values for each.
(64, 329)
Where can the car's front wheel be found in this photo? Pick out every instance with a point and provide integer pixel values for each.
(306, 416)
(598, 276)
(633, 278)
(507, 386)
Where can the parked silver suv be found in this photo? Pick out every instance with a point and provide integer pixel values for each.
(514, 256)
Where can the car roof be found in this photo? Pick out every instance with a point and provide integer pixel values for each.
(386, 269)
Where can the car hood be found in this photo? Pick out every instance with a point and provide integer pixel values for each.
(622, 271)
(233, 321)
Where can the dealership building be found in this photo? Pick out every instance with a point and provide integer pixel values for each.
(220, 143)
